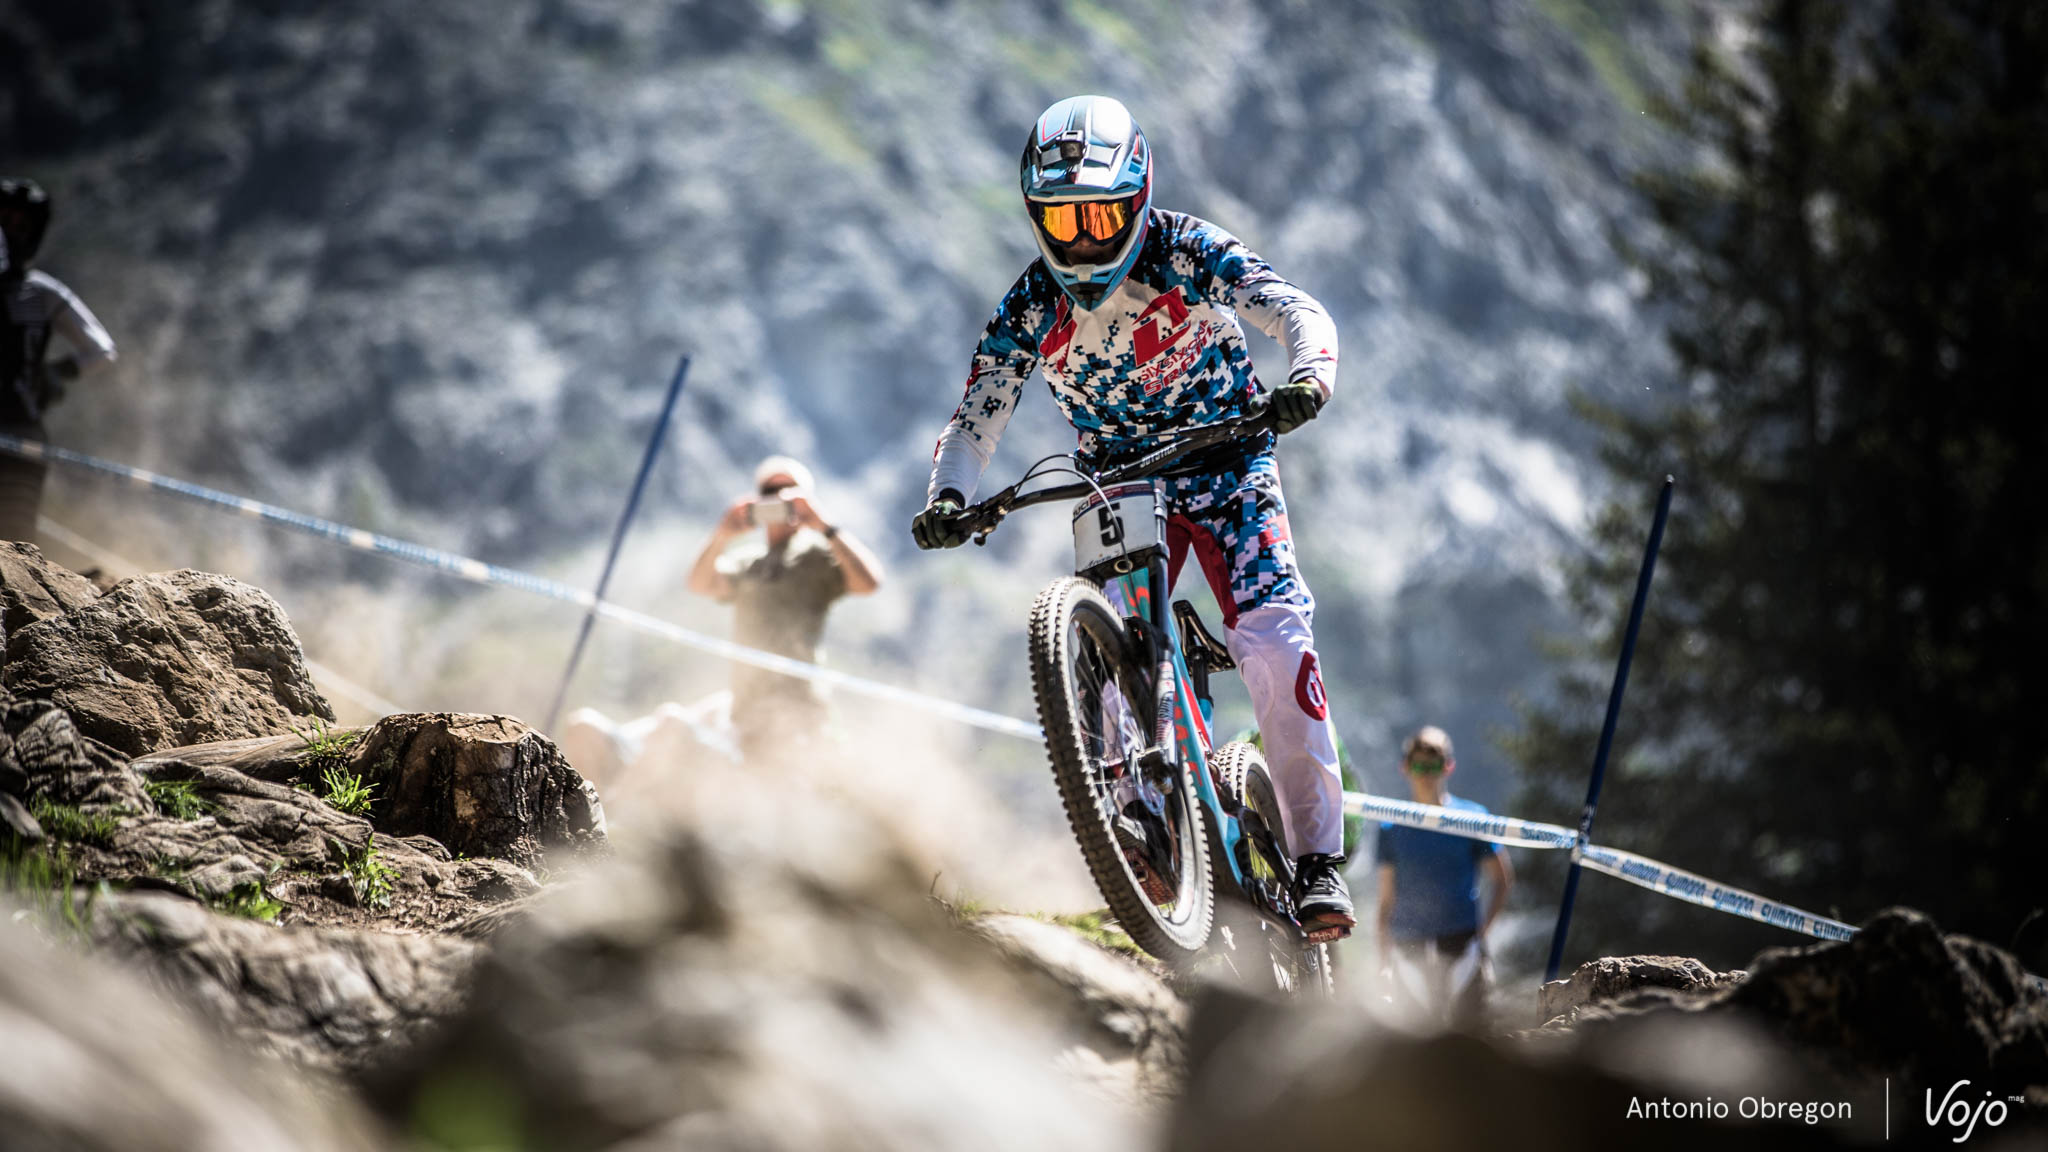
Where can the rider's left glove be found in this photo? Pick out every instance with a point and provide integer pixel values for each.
(1296, 403)
(937, 526)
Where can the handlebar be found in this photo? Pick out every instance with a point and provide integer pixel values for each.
(981, 518)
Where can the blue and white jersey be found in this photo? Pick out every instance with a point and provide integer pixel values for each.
(1162, 354)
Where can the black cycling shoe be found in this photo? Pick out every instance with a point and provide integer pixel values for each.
(1321, 901)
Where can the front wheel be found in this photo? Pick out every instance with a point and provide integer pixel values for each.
(1145, 841)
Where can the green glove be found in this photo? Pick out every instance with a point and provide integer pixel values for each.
(1296, 403)
(935, 527)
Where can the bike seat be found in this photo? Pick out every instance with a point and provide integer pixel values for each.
(1196, 638)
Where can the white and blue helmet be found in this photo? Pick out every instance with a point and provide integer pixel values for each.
(1087, 179)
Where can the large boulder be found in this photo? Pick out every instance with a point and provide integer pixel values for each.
(32, 589)
(172, 658)
(92, 1060)
(482, 785)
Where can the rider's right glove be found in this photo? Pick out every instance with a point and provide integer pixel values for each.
(1296, 403)
(935, 526)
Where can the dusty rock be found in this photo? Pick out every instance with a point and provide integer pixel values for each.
(165, 659)
(32, 589)
(1313, 1078)
(1900, 999)
(302, 846)
(1128, 1024)
(43, 754)
(1616, 977)
(482, 785)
(319, 997)
(776, 984)
(92, 1060)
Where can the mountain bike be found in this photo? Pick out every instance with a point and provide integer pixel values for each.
(1164, 820)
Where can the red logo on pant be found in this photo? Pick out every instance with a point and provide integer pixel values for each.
(1308, 688)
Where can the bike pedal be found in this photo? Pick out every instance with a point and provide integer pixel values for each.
(1329, 935)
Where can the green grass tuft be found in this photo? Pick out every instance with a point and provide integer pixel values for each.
(1100, 930)
(74, 825)
(346, 790)
(369, 878)
(324, 743)
(47, 882)
(178, 798)
(250, 902)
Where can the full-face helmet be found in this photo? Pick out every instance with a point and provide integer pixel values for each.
(1087, 179)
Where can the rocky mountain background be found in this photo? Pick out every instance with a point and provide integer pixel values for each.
(230, 923)
(425, 269)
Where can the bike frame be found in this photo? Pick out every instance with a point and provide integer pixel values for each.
(1180, 730)
(1144, 594)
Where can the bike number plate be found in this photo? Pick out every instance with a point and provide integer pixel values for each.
(1118, 523)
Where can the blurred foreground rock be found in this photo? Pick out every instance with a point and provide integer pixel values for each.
(1900, 999)
(1127, 1023)
(170, 658)
(765, 973)
(90, 1061)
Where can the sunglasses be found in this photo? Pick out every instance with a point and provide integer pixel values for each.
(1100, 219)
(1426, 763)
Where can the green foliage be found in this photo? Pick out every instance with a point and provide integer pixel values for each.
(346, 790)
(46, 881)
(1099, 929)
(249, 901)
(1836, 699)
(464, 1106)
(369, 878)
(177, 798)
(68, 823)
(324, 744)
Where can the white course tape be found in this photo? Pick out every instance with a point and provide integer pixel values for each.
(1499, 829)
(1635, 869)
(1681, 885)
(1654, 875)
(482, 573)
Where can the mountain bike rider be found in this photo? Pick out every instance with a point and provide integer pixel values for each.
(1131, 312)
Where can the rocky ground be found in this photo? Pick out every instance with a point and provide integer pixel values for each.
(241, 927)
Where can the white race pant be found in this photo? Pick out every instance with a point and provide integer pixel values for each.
(1276, 654)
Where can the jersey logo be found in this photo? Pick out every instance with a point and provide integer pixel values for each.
(1308, 688)
(1156, 333)
(1061, 336)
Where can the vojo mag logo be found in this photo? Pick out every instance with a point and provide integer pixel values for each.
(1957, 1112)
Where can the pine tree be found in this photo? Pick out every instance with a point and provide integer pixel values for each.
(1841, 696)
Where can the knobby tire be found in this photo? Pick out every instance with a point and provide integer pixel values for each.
(1069, 615)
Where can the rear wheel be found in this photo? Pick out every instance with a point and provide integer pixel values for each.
(1094, 701)
(1271, 957)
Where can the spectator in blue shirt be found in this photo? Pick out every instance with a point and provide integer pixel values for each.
(1429, 914)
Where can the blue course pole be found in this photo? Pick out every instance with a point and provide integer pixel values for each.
(1628, 651)
(668, 407)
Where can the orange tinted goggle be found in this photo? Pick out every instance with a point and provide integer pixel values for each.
(1100, 219)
